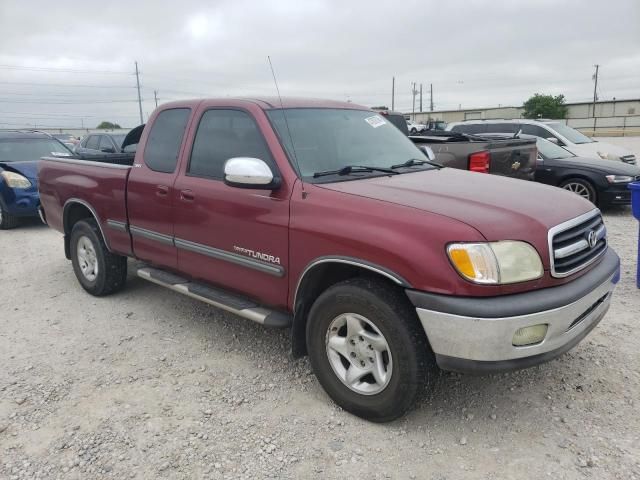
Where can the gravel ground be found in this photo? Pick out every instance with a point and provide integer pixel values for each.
(151, 384)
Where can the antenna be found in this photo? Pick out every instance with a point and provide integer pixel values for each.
(284, 114)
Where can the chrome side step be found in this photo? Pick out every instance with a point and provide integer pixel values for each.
(236, 304)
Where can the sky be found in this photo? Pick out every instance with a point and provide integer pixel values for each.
(71, 64)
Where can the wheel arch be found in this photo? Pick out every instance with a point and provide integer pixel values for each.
(319, 275)
(75, 210)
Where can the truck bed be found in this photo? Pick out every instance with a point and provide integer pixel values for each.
(97, 181)
(511, 157)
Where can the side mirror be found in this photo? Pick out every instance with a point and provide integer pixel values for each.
(428, 152)
(108, 150)
(246, 172)
(553, 140)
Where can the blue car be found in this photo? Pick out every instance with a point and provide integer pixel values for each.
(19, 155)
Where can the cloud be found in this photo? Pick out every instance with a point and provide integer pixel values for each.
(475, 53)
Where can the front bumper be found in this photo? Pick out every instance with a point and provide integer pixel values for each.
(20, 203)
(474, 335)
(618, 194)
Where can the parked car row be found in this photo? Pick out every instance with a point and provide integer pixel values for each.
(553, 130)
(501, 147)
(563, 163)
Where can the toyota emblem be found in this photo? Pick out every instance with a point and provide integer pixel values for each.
(592, 238)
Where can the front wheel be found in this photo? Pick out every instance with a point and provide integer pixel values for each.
(581, 187)
(7, 220)
(99, 271)
(414, 131)
(367, 348)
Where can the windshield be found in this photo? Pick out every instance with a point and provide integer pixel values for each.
(571, 134)
(30, 149)
(327, 139)
(551, 151)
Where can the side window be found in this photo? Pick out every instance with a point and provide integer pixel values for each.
(225, 134)
(92, 142)
(501, 127)
(536, 130)
(105, 142)
(165, 139)
(471, 128)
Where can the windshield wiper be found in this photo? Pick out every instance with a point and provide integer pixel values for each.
(413, 162)
(349, 169)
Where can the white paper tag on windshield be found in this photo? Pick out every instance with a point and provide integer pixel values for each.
(375, 121)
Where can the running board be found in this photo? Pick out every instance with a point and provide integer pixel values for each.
(230, 302)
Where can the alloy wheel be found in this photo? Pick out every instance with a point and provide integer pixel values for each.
(359, 354)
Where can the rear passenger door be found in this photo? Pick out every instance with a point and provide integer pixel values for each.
(150, 190)
(233, 237)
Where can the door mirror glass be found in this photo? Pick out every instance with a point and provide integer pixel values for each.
(428, 152)
(246, 172)
(554, 140)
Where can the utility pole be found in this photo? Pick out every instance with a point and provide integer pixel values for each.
(420, 98)
(155, 97)
(595, 96)
(393, 93)
(413, 108)
(139, 97)
(431, 97)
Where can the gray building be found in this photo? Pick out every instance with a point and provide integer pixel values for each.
(612, 117)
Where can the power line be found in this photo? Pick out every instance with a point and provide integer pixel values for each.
(44, 102)
(61, 70)
(67, 85)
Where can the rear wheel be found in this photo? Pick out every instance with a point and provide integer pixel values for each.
(367, 349)
(7, 220)
(99, 271)
(581, 187)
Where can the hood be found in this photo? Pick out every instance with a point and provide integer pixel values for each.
(606, 167)
(499, 208)
(28, 169)
(591, 150)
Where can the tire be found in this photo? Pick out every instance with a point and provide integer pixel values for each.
(7, 221)
(99, 271)
(581, 187)
(414, 131)
(409, 361)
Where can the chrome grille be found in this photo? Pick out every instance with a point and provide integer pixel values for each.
(575, 244)
(629, 159)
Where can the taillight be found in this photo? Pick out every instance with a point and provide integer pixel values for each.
(479, 162)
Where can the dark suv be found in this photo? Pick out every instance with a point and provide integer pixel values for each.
(96, 143)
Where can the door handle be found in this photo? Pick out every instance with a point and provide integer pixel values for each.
(162, 190)
(187, 195)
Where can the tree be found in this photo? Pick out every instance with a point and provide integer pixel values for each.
(545, 106)
(108, 125)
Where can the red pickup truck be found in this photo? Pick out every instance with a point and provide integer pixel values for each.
(322, 217)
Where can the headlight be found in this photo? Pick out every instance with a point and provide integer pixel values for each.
(619, 178)
(496, 262)
(15, 180)
(603, 155)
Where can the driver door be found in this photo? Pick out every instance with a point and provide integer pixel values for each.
(236, 238)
